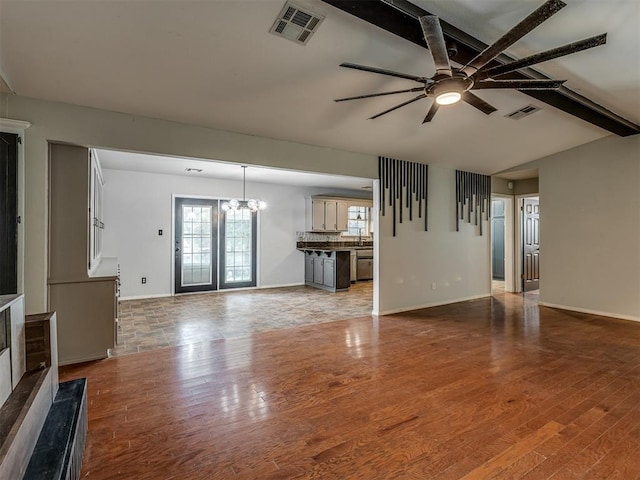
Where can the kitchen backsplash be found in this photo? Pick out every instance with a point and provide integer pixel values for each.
(318, 237)
(322, 237)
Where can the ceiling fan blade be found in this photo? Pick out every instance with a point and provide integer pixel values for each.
(435, 41)
(519, 84)
(512, 36)
(422, 95)
(416, 89)
(382, 71)
(568, 49)
(477, 102)
(431, 113)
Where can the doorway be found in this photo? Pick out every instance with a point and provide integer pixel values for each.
(530, 244)
(497, 239)
(502, 244)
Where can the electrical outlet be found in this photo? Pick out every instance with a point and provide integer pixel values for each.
(434, 285)
(144, 280)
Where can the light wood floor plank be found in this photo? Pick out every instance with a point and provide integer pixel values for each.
(492, 388)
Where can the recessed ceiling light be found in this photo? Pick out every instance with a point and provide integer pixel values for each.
(197, 170)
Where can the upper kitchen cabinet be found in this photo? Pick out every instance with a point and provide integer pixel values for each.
(327, 215)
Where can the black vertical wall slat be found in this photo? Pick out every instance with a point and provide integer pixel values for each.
(457, 200)
(403, 183)
(426, 200)
(418, 191)
(382, 175)
(474, 191)
(400, 182)
(410, 191)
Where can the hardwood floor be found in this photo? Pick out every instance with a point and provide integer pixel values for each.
(492, 388)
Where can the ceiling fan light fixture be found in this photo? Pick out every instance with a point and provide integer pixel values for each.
(448, 98)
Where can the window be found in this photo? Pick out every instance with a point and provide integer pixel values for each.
(238, 249)
(358, 221)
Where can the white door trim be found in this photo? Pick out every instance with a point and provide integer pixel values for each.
(509, 241)
(518, 246)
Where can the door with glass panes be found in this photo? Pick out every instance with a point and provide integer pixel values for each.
(238, 241)
(196, 232)
(206, 237)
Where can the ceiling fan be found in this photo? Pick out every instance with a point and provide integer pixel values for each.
(451, 84)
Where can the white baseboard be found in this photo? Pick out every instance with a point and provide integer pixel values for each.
(82, 359)
(429, 305)
(282, 286)
(589, 311)
(142, 297)
(222, 290)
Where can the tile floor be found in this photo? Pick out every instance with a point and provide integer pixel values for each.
(186, 319)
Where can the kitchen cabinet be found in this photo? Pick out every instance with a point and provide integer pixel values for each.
(342, 216)
(318, 270)
(329, 278)
(328, 215)
(82, 285)
(327, 269)
(308, 269)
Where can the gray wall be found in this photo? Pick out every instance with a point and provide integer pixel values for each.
(590, 228)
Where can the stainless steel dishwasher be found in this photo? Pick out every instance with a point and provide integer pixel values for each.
(365, 264)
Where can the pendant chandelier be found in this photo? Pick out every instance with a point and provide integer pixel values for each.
(252, 204)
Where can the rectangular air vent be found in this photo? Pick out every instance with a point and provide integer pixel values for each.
(523, 112)
(296, 24)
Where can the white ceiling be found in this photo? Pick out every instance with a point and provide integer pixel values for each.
(213, 63)
(138, 162)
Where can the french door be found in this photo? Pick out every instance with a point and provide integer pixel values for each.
(206, 237)
(196, 244)
(238, 242)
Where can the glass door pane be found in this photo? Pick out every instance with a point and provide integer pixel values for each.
(238, 249)
(196, 245)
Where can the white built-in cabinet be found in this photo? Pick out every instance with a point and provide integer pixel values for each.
(327, 215)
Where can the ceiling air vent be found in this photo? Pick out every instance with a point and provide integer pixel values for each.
(296, 24)
(523, 112)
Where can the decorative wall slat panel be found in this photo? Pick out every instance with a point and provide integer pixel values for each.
(473, 191)
(403, 183)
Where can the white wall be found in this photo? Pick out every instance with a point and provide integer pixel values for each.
(590, 228)
(457, 262)
(137, 205)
